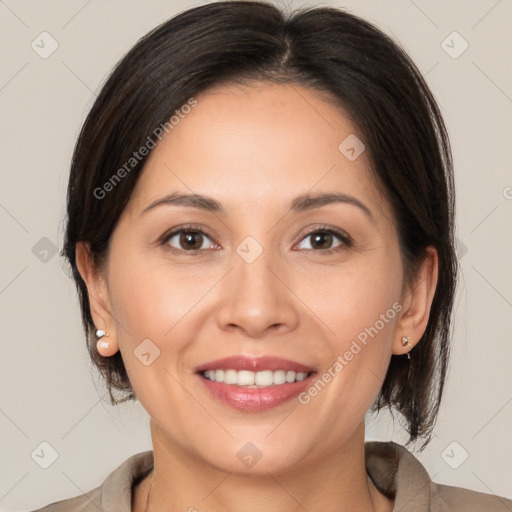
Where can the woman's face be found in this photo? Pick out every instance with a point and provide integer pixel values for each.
(269, 278)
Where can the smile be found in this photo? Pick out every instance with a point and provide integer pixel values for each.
(255, 384)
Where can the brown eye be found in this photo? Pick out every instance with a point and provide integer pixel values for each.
(188, 240)
(321, 240)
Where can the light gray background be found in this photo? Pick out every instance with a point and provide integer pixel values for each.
(48, 392)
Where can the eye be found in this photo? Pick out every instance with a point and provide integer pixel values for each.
(189, 239)
(193, 240)
(323, 238)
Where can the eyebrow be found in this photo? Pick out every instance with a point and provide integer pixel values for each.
(301, 203)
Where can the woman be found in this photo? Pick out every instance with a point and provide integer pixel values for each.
(260, 226)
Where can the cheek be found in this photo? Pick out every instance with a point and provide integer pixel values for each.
(355, 298)
(150, 297)
(150, 302)
(359, 304)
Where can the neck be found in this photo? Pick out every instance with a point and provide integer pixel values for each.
(337, 481)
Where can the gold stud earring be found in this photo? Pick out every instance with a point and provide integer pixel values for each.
(405, 343)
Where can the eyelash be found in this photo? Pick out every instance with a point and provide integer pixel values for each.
(343, 237)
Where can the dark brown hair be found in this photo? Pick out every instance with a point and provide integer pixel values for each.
(331, 51)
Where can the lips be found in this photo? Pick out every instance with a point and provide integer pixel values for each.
(255, 384)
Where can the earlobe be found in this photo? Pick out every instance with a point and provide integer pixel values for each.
(417, 303)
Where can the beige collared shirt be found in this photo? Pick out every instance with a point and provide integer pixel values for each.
(394, 470)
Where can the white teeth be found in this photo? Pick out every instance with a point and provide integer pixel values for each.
(279, 377)
(230, 377)
(290, 376)
(264, 378)
(245, 378)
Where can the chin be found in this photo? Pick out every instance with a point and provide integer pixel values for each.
(252, 455)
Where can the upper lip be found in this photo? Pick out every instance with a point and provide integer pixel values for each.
(254, 364)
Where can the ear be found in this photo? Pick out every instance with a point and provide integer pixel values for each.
(96, 289)
(416, 303)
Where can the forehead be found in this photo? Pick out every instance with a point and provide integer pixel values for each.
(248, 145)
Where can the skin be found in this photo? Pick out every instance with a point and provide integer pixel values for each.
(254, 149)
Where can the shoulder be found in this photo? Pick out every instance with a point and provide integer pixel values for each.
(448, 498)
(115, 493)
(397, 473)
(88, 502)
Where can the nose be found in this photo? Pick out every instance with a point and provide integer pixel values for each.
(256, 299)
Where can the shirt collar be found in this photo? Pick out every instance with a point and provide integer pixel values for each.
(398, 474)
(394, 470)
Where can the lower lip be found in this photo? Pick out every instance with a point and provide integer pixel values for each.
(256, 399)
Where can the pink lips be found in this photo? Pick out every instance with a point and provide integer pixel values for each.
(255, 399)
